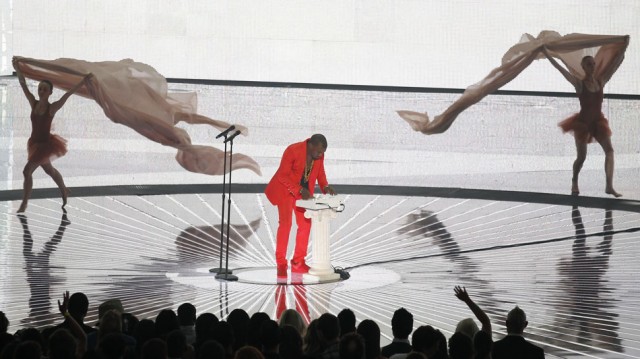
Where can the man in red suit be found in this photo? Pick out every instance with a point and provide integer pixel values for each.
(302, 165)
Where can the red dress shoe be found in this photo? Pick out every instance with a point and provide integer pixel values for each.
(281, 270)
(299, 267)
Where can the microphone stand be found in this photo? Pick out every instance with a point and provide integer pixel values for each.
(226, 275)
(220, 269)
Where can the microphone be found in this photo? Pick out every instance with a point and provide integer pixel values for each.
(226, 132)
(232, 136)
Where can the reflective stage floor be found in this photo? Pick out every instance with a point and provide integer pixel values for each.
(569, 262)
(495, 217)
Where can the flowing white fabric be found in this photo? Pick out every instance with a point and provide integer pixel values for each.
(570, 49)
(136, 95)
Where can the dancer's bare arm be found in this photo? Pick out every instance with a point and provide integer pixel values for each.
(23, 83)
(606, 74)
(577, 84)
(58, 104)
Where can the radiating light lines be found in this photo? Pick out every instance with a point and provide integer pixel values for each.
(573, 270)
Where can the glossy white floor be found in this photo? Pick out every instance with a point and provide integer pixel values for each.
(459, 224)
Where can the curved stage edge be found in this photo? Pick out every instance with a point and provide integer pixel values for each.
(566, 260)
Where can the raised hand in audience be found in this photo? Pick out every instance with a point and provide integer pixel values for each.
(461, 293)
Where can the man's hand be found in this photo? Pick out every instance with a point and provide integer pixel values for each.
(304, 192)
(330, 190)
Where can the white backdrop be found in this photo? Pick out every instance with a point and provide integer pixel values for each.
(418, 43)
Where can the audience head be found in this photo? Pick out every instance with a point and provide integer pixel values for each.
(370, 332)
(166, 322)
(222, 332)
(9, 349)
(28, 350)
(62, 345)
(347, 320)
(129, 323)
(111, 304)
(176, 344)
(248, 352)
(270, 335)
(293, 318)
(482, 343)
(460, 346)
(111, 322)
(255, 323)
(5, 340)
(401, 323)
(351, 346)
(78, 306)
(467, 327)
(154, 349)
(187, 314)
(516, 321)
(112, 346)
(415, 355)
(238, 319)
(312, 342)
(328, 328)
(425, 340)
(32, 334)
(4, 323)
(204, 325)
(211, 349)
(145, 330)
(441, 352)
(290, 343)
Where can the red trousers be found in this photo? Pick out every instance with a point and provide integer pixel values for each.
(284, 228)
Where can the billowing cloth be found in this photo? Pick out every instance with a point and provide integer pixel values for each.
(136, 95)
(570, 49)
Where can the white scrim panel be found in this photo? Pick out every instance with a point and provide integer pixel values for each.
(449, 44)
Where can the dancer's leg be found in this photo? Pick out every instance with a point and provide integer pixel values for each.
(605, 142)
(28, 184)
(57, 178)
(581, 151)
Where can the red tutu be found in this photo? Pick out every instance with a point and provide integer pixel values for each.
(586, 132)
(46, 151)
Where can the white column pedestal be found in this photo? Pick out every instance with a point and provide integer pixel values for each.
(320, 215)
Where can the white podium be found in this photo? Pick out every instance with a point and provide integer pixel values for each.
(321, 210)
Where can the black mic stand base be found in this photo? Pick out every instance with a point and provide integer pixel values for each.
(220, 270)
(227, 277)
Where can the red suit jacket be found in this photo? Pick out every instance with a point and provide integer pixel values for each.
(286, 180)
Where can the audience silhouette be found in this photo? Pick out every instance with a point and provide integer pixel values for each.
(259, 336)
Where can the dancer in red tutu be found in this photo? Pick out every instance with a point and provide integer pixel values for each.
(589, 123)
(43, 146)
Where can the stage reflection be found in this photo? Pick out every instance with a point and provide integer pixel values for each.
(585, 319)
(41, 276)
